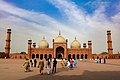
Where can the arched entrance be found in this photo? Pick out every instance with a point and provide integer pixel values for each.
(77, 56)
(45, 56)
(69, 56)
(33, 56)
(86, 56)
(37, 55)
(59, 52)
(73, 56)
(82, 56)
(41, 56)
(50, 55)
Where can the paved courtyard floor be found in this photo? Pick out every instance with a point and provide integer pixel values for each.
(12, 69)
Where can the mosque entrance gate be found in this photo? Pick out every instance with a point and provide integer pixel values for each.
(59, 52)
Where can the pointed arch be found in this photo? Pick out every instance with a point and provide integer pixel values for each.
(33, 56)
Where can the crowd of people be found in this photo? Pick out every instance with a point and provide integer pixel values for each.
(28, 64)
(100, 60)
(70, 63)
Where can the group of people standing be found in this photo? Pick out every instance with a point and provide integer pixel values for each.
(29, 63)
(69, 63)
(48, 65)
(101, 60)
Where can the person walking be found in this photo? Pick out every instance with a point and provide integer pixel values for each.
(48, 66)
(54, 65)
(75, 62)
(26, 65)
(71, 63)
(35, 62)
(100, 60)
(65, 62)
(104, 61)
(62, 63)
(31, 63)
(68, 63)
(41, 66)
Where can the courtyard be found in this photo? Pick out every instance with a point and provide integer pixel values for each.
(12, 69)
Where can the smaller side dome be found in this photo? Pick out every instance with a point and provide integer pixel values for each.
(43, 43)
(75, 44)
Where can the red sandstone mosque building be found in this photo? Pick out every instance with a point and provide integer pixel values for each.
(60, 49)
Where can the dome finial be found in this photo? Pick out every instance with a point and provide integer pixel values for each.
(59, 33)
(43, 37)
(75, 37)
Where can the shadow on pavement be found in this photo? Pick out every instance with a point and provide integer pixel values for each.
(87, 75)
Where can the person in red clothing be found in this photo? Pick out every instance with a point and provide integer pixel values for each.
(71, 63)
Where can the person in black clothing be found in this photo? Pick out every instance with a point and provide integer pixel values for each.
(104, 61)
(31, 63)
(100, 60)
(54, 65)
(35, 62)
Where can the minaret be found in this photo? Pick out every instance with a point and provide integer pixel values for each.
(34, 45)
(84, 45)
(109, 41)
(90, 44)
(90, 49)
(29, 49)
(7, 46)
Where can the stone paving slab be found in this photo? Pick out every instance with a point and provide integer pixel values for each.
(12, 69)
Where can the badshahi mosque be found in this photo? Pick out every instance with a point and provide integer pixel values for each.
(60, 49)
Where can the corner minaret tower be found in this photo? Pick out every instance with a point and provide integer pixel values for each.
(109, 41)
(90, 49)
(7, 46)
(29, 48)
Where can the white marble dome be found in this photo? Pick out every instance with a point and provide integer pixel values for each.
(43, 43)
(75, 44)
(59, 38)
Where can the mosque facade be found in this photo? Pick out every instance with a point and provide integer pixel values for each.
(60, 49)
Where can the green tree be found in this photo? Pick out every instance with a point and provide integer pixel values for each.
(104, 53)
(23, 53)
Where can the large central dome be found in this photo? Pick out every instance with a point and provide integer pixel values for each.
(59, 39)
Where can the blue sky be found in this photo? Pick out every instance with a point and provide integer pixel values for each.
(40, 6)
(44, 6)
(85, 19)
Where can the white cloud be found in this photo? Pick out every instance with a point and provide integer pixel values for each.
(31, 25)
(94, 25)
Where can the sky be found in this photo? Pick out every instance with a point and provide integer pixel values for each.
(83, 19)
